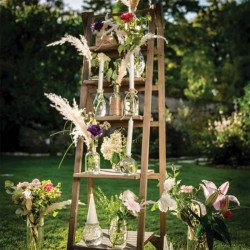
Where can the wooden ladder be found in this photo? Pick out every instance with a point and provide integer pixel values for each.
(136, 239)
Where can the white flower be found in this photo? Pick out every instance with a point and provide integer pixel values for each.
(27, 194)
(168, 184)
(166, 203)
(128, 195)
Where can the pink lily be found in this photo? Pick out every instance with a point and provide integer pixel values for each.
(209, 188)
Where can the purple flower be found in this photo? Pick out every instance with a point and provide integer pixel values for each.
(96, 26)
(95, 130)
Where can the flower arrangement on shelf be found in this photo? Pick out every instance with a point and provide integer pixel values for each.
(113, 148)
(204, 217)
(117, 209)
(85, 127)
(35, 200)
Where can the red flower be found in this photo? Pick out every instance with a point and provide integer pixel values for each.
(48, 187)
(228, 214)
(127, 17)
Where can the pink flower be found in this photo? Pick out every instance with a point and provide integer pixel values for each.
(36, 183)
(48, 187)
(209, 188)
(132, 205)
(186, 189)
(127, 17)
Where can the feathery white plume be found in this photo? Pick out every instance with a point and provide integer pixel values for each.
(73, 114)
(80, 44)
(131, 4)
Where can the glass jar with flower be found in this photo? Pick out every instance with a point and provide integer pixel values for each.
(115, 101)
(35, 200)
(205, 220)
(118, 209)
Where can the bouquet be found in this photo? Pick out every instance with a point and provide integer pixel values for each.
(123, 206)
(205, 217)
(35, 199)
(113, 148)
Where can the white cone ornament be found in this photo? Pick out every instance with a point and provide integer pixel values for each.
(92, 216)
(92, 232)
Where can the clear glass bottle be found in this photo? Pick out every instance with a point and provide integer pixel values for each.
(131, 103)
(99, 104)
(35, 234)
(92, 234)
(92, 160)
(139, 65)
(115, 101)
(128, 166)
(118, 233)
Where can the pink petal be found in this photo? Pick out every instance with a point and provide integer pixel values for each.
(217, 203)
(206, 192)
(224, 187)
(233, 199)
(210, 186)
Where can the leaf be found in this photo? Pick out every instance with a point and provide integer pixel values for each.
(154, 207)
(218, 236)
(120, 49)
(115, 158)
(55, 213)
(210, 237)
(211, 199)
(199, 230)
(223, 228)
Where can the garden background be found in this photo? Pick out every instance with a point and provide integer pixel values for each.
(207, 105)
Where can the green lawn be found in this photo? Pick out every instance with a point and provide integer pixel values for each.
(13, 230)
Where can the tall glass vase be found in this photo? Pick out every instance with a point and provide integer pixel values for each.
(118, 233)
(131, 103)
(99, 104)
(115, 101)
(139, 64)
(35, 234)
(92, 160)
(196, 244)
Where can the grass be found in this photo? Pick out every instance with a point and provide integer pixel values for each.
(13, 229)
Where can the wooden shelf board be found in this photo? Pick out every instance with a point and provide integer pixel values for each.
(111, 174)
(125, 81)
(131, 242)
(118, 118)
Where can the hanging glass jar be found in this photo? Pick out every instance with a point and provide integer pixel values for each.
(131, 103)
(118, 233)
(128, 165)
(115, 101)
(92, 160)
(35, 234)
(139, 64)
(92, 234)
(99, 104)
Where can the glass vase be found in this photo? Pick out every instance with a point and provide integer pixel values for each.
(99, 104)
(118, 233)
(92, 234)
(131, 103)
(128, 166)
(35, 234)
(115, 102)
(92, 160)
(139, 65)
(196, 244)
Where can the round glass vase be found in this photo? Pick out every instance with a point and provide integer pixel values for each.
(118, 233)
(196, 244)
(99, 104)
(115, 101)
(131, 103)
(92, 160)
(92, 234)
(35, 235)
(128, 166)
